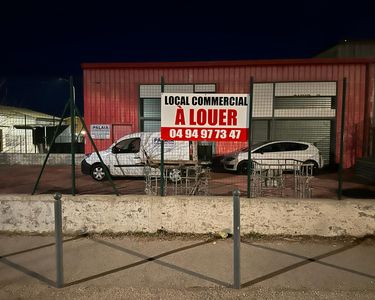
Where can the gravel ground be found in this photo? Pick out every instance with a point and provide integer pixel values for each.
(183, 266)
(98, 293)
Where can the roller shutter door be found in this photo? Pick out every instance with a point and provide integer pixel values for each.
(259, 131)
(316, 132)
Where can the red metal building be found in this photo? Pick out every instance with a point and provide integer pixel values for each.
(124, 97)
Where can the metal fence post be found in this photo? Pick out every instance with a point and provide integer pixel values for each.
(339, 190)
(50, 148)
(59, 242)
(249, 164)
(72, 133)
(162, 151)
(25, 135)
(236, 240)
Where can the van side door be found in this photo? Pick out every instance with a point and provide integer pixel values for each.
(126, 160)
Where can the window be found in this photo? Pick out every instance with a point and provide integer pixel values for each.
(283, 146)
(292, 146)
(150, 104)
(151, 108)
(151, 125)
(269, 148)
(128, 146)
(150, 114)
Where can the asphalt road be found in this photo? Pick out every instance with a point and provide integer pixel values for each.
(134, 267)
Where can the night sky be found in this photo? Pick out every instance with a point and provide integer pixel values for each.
(44, 41)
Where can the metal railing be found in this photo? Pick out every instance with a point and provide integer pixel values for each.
(273, 177)
(178, 180)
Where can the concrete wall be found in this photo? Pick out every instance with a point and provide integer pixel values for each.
(37, 159)
(134, 213)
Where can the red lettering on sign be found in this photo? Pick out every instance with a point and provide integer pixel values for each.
(222, 117)
(232, 117)
(180, 116)
(192, 121)
(212, 117)
(201, 117)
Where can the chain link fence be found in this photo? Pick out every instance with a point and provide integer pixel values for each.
(293, 151)
(293, 139)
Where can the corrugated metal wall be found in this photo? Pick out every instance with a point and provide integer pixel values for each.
(111, 95)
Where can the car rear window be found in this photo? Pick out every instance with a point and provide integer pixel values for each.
(293, 146)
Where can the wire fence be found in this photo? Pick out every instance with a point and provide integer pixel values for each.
(293, 137)
(294, 149)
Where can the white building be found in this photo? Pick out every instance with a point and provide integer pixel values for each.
(25, 131)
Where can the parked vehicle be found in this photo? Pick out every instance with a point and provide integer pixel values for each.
(129, 155)
(275, 152)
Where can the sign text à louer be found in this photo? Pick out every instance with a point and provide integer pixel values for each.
(204, 117)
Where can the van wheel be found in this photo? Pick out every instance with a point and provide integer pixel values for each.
(97, 172)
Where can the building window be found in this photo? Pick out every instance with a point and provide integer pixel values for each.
(149, 102)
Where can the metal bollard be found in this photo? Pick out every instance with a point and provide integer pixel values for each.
(236, 240)
(59, 241)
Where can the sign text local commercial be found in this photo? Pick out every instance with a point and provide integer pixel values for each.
(204, 117)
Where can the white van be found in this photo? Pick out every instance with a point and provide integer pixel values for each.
(129, 155)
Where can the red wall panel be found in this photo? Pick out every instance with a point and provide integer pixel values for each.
(111, 92)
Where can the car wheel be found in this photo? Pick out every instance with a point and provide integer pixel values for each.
(315, 166)
(97, 172)
(242, 168)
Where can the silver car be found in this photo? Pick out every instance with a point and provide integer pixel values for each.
(276, 152)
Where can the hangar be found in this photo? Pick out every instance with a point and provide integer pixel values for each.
(299, 99)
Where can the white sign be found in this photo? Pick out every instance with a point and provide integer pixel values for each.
(100, 131)
(204, 117)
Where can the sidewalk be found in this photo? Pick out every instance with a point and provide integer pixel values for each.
(182, 268)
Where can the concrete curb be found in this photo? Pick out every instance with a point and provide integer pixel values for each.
(183, 214)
